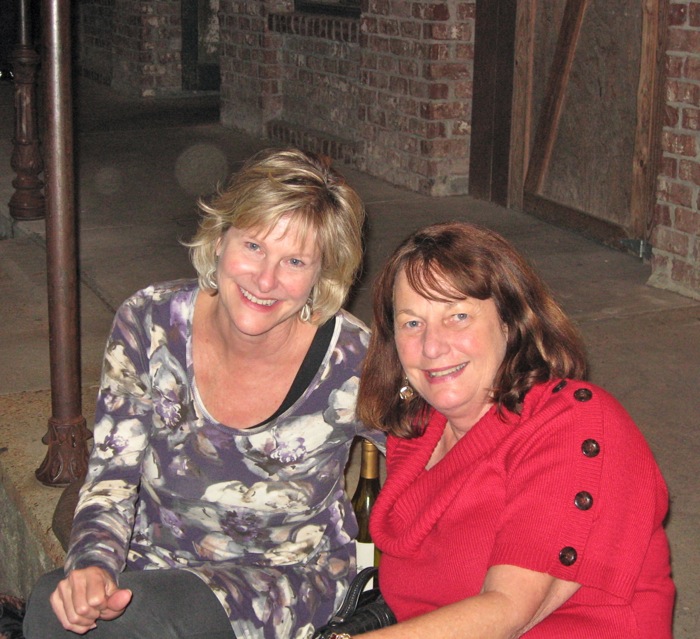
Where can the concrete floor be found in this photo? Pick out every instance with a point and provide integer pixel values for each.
(141, 165)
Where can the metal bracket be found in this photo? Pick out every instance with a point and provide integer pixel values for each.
(640, 248)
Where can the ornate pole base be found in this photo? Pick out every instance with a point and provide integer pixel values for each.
(67, 456)
(27, 202)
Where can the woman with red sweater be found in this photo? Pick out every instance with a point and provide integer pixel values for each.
(520, 500)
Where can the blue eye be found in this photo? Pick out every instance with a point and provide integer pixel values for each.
(461, 316)
(296, 262)
(252, 246)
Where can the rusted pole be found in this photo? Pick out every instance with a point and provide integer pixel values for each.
(66, 459)
(27, 202)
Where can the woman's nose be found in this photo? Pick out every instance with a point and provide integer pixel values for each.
(267, 277)
(434, 341)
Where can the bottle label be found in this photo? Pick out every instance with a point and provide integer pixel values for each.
(365, 555)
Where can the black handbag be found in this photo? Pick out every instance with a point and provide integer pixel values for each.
(361, 611)
(11, 616)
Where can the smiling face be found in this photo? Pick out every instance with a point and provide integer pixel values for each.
(265, 276)
(450, 351)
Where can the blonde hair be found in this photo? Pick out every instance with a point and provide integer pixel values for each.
(289, 183)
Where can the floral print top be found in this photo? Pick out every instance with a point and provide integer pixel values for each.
(261, 514)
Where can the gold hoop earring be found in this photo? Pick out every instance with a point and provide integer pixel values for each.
(406, 392)
(306, 311)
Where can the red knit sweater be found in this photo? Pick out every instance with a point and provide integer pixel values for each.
(569, 488)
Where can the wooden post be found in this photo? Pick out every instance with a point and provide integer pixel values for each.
(66, 459)
(27, 202)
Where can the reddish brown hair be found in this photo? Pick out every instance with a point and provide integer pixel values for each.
(438, 260)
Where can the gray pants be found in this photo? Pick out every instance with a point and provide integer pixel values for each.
(166, 604)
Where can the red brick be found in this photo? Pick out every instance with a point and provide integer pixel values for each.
(683, 40)
(687, 220)
(692, 68)
(677, 14)
(389, 28)
(411, 29)
(381, 7)
(683, 92)
(437, 51)
(674, 192)
(461, 128)
(398, 84)
(464, 90)
(441, 148)
(368, 24)
(671, 241)
(438, 91)
(431, 11)
(671, 116)
(442, 111)
(441, 31)
(694, 14)
(464, 51)
(661, 215)
(669, 167)
(679, 144)
(388, 64)
(674, 66)
(409, 68)
(446, 71)
(684, 273)
(466, 10)
(689, 171)
(401, 9)
(659, 262)
(403, 48)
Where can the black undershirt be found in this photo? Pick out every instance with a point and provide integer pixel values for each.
(309, 367)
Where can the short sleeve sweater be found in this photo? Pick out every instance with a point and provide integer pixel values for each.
(569, 487)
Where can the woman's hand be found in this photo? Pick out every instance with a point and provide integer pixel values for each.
(85, 596)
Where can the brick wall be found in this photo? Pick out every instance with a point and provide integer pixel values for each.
(319, 76)
(415, 93)
(676, 235)
(133, 45)
(250, 65)
(95, 40)
(390, 92)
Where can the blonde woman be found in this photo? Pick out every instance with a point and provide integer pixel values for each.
(224, 421)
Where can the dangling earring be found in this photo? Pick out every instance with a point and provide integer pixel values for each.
(306, 310)
(406, 392)
(210, 279)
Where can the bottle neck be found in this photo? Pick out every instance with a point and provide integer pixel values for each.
(369, 467)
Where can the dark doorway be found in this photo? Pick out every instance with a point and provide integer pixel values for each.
(200, 45)
(492, 101)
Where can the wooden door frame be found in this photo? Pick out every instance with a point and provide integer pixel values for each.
(492, 115)
(519, 148)
(647, 149)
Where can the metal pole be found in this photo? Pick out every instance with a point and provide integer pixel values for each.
(66, 459)
(27, 202)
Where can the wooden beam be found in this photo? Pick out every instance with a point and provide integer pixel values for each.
(522, 100)
(568, 217)
(548, 124)
(647, 148)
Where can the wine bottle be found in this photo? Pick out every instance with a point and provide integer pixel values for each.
(362, 501)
